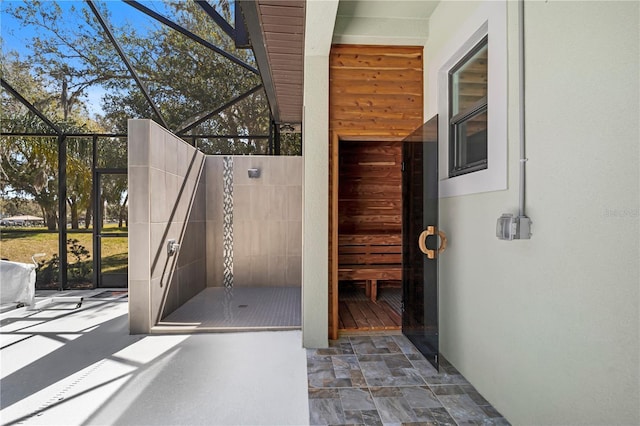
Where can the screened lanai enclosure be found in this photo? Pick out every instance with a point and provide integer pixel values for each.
(74, 73)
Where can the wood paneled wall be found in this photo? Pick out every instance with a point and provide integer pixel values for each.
(375, 94)
(375, 89)
(370, 190)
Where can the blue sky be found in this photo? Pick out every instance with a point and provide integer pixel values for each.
(17, 38)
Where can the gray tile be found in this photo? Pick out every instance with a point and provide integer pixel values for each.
(374, 369)
(337, 347)
(446, 379)
(377, 373)
(380, 392)
(405, 345)
(409, 373)
(420, 397)
(371, 417)
(442, 417)
(462, 408)
(423, 417)
(324, 393)
(424, 367)
(475, 395)
(357, 379)
(327, 379)
(490, 411)
(402, 385)
(394, 410)
(344, 365)
(415, 356)
(325, 411)
(314, 356)
(370, 358)
(447, 390)
(397, 361)
(446, 366)
(356, 399)
(423, 423)
(319, 365)
(500, 421)
(406, 380)
(375, 345)
(348, 362)
(353, 417)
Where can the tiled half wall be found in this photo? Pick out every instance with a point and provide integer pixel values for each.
(233, 230)
(166, 201)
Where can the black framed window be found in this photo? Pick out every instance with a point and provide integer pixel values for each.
(468, 112)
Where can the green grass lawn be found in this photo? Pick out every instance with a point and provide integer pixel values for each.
(19, 244)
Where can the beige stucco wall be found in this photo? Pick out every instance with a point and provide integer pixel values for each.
(267, 221)
(320, 19)
(166, 201)
(547, 329)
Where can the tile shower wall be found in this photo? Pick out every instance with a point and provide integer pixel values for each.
(166, 202)
(266, 221)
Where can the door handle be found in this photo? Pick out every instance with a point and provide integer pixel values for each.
(422, 242)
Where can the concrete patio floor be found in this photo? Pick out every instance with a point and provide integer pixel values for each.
(67, 366)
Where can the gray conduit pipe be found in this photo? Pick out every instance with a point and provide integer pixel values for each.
(509, 227)
(523, 159)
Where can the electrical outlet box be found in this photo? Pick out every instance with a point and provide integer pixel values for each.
(506, 227)
(510, 227)
(524, 228)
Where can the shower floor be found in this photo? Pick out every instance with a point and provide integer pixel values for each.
(237, 309)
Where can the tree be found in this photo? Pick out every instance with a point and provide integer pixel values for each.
(79, 179)
(71, 54)
(114, 197)
(185, 79)
(16, 206)
(29, 165)
(71, 58)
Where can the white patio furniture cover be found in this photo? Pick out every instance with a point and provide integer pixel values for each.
(17, 282)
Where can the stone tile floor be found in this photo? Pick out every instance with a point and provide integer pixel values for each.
(375, 380)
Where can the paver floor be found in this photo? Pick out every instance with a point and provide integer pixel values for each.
(383, 379)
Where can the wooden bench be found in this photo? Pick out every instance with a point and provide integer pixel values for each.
(371, 258)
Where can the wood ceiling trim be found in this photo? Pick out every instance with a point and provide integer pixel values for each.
(276, 28)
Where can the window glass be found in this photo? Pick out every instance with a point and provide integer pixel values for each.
(472, 138)
(468, 112)
(469, 81)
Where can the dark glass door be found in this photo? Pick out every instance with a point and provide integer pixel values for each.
(420, 236)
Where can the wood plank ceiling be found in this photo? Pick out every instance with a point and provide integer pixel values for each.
(276, 28)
